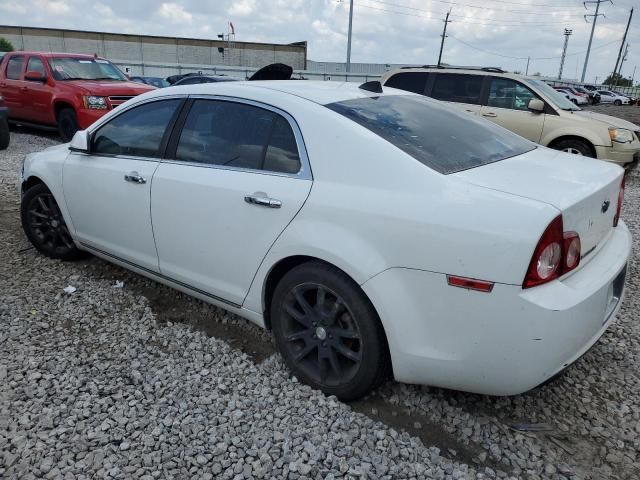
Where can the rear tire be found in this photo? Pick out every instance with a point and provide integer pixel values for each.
(44, 225)
(574, 146)
(328, 332)
(67, 124)
(4, 134)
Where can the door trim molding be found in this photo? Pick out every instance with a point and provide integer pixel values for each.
(160, 275)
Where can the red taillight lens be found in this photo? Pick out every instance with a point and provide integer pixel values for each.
(557, 253)
(620, 200)
(571, 251)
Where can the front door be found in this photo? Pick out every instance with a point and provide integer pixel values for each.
(108, 191)
(40, 94)
(236, 179)
(508, 106)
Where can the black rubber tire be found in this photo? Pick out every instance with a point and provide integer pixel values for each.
(575, 143)
(67, 124)
(61, 253)
(374, 366)
(4, 134)
(575, 102)
(617, 103)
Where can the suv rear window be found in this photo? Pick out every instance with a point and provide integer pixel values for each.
(456, 87)
(415, 82)
(434, 134)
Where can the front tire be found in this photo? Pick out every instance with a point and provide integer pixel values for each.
(44, 225)
(574, 146)
(328, 332)
(4, 134)
(67, 124)
(617, 103)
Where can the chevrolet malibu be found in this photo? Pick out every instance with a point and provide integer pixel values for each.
(372, 231)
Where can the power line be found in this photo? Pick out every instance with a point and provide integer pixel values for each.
(481, 7)
(488, 23)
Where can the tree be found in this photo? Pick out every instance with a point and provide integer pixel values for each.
(5, 45)
(618, 79)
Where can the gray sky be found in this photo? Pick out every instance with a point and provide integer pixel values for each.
(385, 31)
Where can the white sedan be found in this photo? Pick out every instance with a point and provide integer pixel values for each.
(607, 96)
(374, 233)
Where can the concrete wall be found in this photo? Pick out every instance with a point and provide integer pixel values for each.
(141, 49)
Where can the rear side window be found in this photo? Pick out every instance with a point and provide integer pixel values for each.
(238, 135)
(35, 65)
(136, 132)
(459, 88)
(438, 136)
(14, 67)
(415, 82)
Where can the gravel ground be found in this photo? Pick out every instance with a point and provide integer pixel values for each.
(144, 382)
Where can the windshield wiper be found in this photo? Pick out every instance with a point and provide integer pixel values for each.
(106, 78)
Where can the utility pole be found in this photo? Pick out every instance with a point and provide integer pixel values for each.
(593, 27)
(619, 75)
(633, 77)
(567, 34)
(349, 36)
(527, 70)
(444, 34)
(624, 39)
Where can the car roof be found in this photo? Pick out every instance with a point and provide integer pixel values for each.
(57, 54)
(320, 92)
(496, 72)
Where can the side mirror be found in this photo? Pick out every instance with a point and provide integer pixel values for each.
(33, 76)
(536, 105)
(80, 142)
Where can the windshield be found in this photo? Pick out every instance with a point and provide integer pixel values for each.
(433, 133)
(557, 98)
(74, 68)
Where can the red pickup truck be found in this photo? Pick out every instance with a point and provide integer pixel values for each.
(67, 91)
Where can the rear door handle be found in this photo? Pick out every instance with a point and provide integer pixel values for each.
(135, 177)
(490, 114)
(263, 200)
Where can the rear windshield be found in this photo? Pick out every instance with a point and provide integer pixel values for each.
(434, 134)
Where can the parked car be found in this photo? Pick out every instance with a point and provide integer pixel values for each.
(574, 97)
(632, 99)
(195, 79)
(607, 96)
(157, 82)
(371, 230)
(62, 90)
(594, 96)
(4, 126)
(526, 106)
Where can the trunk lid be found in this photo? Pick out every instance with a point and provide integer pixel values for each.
(584, 190)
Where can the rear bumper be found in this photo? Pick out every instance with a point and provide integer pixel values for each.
(500, 343)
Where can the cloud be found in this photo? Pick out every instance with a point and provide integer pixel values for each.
(175, 13)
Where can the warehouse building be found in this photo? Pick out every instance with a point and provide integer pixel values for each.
(154, 55)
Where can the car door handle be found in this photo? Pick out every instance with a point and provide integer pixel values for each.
(490, 114)
(135, 177)
(262, 200)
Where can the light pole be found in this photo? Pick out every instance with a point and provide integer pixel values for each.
(567, 34)
(349, 36)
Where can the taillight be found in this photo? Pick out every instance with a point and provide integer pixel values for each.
(619, 207)
(557, 252)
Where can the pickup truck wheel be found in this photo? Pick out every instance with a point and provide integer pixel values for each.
(574, 146)
(328, 332)
(4, 133)
(67, 124)
(44, 225)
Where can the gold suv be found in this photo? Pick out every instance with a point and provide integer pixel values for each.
(526, 106)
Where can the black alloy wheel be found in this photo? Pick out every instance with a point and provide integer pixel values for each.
(44, 225)
(328, 332)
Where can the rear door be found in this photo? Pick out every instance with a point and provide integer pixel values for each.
(12, 84)
(108, 191)
(508, 105)
(236, 175)
(460, 89)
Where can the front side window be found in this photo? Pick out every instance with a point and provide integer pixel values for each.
(415, 82)
(14, 67)
(238, 135)
(436, 135)
(459, 88)
(35, 65)
(556, 98)
(136, 132)
(80, 68)
(507, 93)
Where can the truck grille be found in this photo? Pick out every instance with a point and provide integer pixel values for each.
(119, 100)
